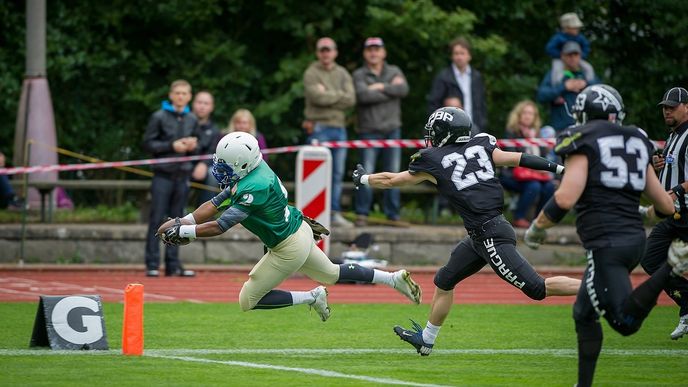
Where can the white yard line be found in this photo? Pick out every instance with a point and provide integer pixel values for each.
(309, 371)
(565, 352)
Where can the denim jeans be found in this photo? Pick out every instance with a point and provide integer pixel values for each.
(391, 160)
(6, 191)
(333, 133)
(168, 198)
(529, 193)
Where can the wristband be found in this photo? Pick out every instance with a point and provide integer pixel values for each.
(187, 231)
(364, 179)
(190, 218)
(553, 212)
(679, 191)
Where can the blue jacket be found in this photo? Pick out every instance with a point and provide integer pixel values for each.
(559, 99)
(556, 42)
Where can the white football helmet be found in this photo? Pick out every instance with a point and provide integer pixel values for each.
(236, 155)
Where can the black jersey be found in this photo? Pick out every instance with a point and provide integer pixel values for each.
(618, 156)
(465, 175)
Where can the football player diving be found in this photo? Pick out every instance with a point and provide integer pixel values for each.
(254, 196)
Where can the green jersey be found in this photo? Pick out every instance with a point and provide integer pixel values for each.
(262, 196)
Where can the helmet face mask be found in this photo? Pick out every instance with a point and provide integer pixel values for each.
(236, 155)
(447, 125)
(223, 173)
(598, 102)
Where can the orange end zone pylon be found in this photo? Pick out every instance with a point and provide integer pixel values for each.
(132, 328)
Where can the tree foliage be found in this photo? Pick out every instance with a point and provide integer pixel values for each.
(110, 63)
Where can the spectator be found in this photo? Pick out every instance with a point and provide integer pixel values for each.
(171, 131)
(533, 187)
(570, 32)
(208, 137)
(329, 92)
(460, 79)
(379, 90)
(561, 96)
(243, 121)
(8, 199)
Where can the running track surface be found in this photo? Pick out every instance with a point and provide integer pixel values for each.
(223, 286)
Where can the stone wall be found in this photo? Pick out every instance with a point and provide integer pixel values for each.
(105, 243)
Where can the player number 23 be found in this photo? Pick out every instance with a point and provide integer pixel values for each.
(460, 181)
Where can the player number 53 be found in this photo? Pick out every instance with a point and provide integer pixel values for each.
(618, 174)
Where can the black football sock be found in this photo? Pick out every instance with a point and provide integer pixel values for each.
(354, 272)
(589, 347)
(275, 299)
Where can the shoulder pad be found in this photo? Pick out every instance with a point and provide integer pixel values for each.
(415, 156)
(642, 132)
(491, 138)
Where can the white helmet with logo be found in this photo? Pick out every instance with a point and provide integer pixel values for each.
(236, 155)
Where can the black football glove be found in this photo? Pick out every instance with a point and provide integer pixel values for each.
(356, 176)
(171, 236)
(318, 229)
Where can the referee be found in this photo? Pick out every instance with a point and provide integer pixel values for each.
(672, 168)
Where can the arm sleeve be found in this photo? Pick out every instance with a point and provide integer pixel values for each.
(539, 163)
(230, 218)
(151, 141)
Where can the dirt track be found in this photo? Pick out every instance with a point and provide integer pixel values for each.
(224, 285)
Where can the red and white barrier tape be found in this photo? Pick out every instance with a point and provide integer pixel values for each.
(359, 144)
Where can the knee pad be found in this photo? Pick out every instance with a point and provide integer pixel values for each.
(443, 280)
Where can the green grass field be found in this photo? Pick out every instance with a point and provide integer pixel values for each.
(217, 344)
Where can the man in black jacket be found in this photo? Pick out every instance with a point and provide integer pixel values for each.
(171, 132)
(460, 79)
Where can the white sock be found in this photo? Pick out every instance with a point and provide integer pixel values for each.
(383, 277)
(430, 332)
(299, 298)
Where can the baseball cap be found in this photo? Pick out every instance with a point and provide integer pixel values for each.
(571, 47)
(570, 20)
(373, 41)
(326, 43)
(674, 96)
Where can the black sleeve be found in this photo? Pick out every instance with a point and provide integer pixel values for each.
(487, 141)
(577, 140)
(422, 162)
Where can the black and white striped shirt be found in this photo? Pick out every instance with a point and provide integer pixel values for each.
(675, 152)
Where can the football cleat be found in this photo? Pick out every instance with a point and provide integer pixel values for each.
(320, 303)
(681, 328)
(678, 257)
(415, 338)
(405, 285)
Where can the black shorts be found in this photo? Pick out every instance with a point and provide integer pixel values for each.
(607, 285)
(493, 244)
